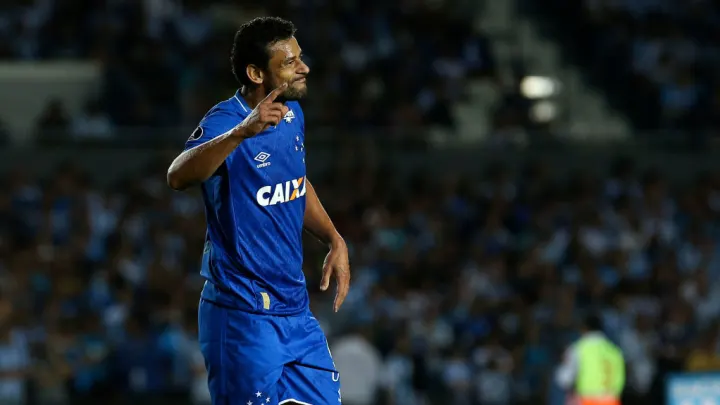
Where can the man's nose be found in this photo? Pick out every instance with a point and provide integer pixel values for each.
(303, 69)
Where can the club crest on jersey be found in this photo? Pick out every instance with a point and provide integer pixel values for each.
(282, 192)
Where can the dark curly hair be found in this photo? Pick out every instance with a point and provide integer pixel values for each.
(252, 43)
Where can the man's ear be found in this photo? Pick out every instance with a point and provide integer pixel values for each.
(255, 74)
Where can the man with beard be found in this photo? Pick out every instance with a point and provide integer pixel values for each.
(261, 344)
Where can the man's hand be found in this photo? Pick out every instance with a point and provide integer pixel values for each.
(337, 263)
(268, 113)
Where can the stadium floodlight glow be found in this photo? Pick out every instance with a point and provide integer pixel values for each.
(543, 111)
(537, 87)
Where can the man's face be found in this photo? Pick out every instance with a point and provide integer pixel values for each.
(286, 66)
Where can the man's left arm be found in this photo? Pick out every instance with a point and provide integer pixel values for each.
(318, 223)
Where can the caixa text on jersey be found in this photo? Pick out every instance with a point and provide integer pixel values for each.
(281, 192)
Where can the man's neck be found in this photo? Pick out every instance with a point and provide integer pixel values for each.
(254, 96)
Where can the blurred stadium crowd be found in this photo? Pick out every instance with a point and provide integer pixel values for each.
(466, 289)
(393, 62)
(656, 59)
(164, 63)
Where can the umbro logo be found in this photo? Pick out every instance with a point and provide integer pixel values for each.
(289, 116)
(262, 157)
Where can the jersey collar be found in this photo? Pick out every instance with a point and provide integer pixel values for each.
(246, 108)
(243, 104)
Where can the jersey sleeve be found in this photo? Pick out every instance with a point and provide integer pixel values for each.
(217, 122)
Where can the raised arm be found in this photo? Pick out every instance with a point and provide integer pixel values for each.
(215, 139)
(196, 165)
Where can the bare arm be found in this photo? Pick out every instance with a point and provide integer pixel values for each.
(318, 223)
(199, 163)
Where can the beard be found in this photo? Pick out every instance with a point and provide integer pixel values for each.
(294, 92)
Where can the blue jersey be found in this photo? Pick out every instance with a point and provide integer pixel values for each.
(254, 206)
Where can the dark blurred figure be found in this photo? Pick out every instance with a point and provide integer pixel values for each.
(15, 361)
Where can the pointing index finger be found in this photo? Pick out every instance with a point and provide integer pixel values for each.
(275, 93)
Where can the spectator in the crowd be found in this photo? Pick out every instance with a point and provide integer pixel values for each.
(53, 121)
(15, 359)
(92, 123)
(705, 357)
(355, 355)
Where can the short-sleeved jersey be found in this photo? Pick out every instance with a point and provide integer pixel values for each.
(254, 206)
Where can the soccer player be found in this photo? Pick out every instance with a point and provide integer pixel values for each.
(261, 344)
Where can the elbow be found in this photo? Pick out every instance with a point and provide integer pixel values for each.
(174, 180)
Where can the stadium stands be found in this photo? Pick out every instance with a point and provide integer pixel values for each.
(655, 59)
(374, 63)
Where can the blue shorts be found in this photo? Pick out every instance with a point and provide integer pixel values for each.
(255, 359)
